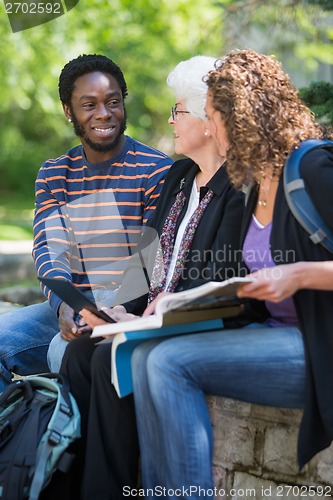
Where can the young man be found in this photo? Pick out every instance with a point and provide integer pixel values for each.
(90, 205)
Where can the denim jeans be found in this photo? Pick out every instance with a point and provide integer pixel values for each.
(56, 352)
(58, 345)
(256, 364)
(25, 335)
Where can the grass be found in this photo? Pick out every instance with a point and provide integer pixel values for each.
(15, 202)
(25, 282)
(14, 232)
(16, 215)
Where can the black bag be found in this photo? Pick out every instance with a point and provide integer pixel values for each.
(39, 419)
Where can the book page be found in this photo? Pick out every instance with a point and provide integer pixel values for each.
(204, 299)
(211, 294)
(139, 323)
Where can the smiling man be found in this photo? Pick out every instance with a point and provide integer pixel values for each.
(97, 111)
(91, 204)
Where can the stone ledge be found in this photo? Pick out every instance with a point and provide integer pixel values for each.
(15, 268)
(16, 262)
(23, 295)
(7, 307)
(255, 447)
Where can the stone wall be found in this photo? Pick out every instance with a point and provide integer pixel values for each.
(255, 454)
(16, 262)
(18, 281)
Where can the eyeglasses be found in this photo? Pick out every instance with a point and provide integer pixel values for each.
(175, 112)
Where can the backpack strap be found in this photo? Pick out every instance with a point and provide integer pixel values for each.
(24, 457)
(18, 391)
(61, 417)
(298, 199)
(63, 386)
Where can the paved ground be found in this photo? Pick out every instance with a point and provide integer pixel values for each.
(6, 307)
(16, 247)
(15, 264)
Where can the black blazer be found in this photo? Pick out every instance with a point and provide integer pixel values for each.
(215, 252)
(290, 242)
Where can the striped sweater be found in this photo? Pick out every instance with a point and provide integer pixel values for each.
(88, 217)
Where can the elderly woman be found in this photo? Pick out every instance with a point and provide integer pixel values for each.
(284, 360)
(198, 213)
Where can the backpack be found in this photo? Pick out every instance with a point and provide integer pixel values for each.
(298, 199)
(39, 419)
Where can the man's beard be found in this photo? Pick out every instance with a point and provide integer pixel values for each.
(101, 148)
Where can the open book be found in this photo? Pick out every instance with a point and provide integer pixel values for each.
(209, 301)
(123, 345)
(197, 310)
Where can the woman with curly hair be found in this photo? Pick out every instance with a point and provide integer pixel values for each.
(284, 357)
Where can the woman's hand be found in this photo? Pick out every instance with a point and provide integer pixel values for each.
(152, 306)
(117, 313)
(273, 283)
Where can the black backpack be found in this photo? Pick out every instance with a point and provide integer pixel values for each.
(298, 199)
(39, 419)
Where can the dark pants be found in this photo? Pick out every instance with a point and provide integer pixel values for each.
(107, 455)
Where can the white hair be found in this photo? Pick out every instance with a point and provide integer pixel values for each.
(186, 80)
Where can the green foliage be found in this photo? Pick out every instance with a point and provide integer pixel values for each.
(319, 97)
(324, 4)
(147, 38)
(297, 32)
(15, 232)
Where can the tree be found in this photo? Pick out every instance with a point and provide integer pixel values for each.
(324, 4)
(298, 32)
(147, 38)
(319, 97)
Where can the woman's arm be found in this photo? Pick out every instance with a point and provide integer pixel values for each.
(278, 283)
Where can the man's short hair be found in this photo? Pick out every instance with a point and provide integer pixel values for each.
(87, 64)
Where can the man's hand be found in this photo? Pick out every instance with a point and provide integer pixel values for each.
(70, 329)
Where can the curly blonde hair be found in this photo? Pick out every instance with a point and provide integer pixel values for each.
(262, 111)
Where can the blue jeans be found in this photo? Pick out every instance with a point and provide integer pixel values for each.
(56, 352)
(25, 335)
(257, 364)
(58, 345)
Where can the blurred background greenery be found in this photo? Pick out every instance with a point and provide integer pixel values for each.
(147, 38)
